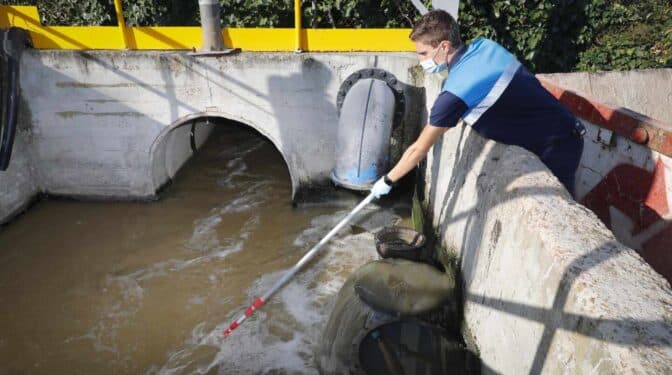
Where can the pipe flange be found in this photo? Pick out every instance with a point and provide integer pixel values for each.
(381, 75)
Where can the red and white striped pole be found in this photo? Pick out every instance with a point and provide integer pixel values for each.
(280, 283)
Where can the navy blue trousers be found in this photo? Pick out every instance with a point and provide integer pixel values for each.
(562, 158)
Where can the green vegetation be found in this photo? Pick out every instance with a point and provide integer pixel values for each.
(570, 35)
(548, 35)
(630, 35)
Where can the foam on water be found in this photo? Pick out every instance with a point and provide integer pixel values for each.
(236, 166)
(204, 239)
(166, 279)
(285, 333)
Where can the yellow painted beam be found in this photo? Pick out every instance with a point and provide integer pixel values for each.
(189, 37)
(25, 17)
(388, 40)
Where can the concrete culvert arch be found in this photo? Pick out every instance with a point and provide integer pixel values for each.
(177, 143)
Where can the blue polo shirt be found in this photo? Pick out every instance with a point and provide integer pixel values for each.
(491, 91)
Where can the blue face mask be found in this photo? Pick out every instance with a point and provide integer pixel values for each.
(430, 66)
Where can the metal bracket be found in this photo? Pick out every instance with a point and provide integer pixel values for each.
(224, 52)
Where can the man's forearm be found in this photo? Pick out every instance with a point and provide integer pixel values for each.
(416, 152)
(408, 161)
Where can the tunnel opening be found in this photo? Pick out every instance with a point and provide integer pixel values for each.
(176, 147)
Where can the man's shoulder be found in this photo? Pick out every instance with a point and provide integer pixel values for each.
(478, 70)
(481, 44)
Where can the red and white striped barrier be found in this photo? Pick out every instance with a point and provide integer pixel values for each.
(625, 175)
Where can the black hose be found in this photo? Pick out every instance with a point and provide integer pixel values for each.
(11, 106)
(15, 40)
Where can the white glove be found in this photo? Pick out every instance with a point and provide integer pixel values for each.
(380, 188)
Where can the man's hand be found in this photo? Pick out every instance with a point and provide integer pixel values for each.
(380, 188)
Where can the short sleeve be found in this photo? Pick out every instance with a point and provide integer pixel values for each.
(447, 110)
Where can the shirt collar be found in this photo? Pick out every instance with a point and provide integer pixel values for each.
(458, 55)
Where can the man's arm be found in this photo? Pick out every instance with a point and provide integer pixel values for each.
(416, 152)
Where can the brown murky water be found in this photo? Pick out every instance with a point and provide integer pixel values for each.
(92, 288)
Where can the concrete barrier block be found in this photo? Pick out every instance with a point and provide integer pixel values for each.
(547, 286)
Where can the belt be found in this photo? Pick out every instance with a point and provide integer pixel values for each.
(579, 130)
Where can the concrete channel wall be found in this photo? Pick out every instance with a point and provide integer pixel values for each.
(647, 91)
(625, 174)
(547, 286)
(18, 184)
(116, 125)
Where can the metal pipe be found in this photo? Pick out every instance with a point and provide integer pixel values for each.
(450, 6)
(297, 24)
(420, 6)
(121, 24)
(211, 25)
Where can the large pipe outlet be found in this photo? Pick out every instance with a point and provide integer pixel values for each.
(369, 109)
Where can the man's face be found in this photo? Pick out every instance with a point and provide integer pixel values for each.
(425, 51)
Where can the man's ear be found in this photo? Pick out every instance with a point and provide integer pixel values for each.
(446, 45)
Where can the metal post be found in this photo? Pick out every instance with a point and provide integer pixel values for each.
(297, 24)
(450, 6)
(120, 21)
(211, 26)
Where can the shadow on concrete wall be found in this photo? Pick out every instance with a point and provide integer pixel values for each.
(295, 100)
(299, 102)
(577, 323)
(145, 134)
(473, 239)
(199, 67)
(86, 146)
(311, 103)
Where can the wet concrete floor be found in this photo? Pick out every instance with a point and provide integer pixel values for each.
(98, 288)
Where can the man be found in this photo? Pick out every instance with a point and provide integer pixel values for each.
(491, 91)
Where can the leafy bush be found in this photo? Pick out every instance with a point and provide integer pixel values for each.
(548, 35)
(71, 12)
(632, 35)
(366, 13)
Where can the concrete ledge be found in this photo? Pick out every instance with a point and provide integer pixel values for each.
(648, 91)
(639, 128)
(547, 286)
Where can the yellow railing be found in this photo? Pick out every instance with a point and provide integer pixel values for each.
(189, 37)
(121, 22)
